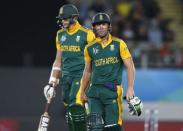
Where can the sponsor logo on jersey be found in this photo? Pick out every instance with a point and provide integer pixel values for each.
(78, 38)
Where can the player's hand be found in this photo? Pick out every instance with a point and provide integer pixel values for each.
(83, 97)
(49, 92)
(130, 93)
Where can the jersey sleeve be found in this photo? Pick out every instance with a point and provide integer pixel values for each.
(124, 52)
(58, 45)
(86, 55)
(90, 36)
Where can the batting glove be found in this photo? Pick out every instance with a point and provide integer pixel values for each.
(135, 106)
(49, 92)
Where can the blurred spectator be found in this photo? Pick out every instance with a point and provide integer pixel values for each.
(151, 8)
(166, 53)
(138, 22)
(136, 53)
(128, 33)
(98, 6)
(83, 9)
(164, 25)
(87, 23)
(168, 35)
(178, 54)
(114, 30)
(142, 33)
(181, 11)
(155, 35)
(180, 2)
(124, 8)
(138, 7)
(119, 22)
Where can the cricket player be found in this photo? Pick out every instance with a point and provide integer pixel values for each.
(69, 63)
(104, 60)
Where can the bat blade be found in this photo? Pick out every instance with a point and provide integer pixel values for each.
(45, 118)
(44, 122)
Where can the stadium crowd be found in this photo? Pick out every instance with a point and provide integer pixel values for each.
(141, 25)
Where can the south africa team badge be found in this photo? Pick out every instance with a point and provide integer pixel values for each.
(78, 38)
(111, 47)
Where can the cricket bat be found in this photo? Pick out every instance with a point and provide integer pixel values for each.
(45, 118)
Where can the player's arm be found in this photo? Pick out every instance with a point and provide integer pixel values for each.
(128, 62)
(49, 90)
(135, 104)
(85, 81)
(56, 69)
(131, 76)
(86, 75)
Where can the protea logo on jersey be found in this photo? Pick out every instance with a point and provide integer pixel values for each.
(63, 38)
(95, 51)
(106, 61)
(70, 48)
(78, 38)
(111, 47)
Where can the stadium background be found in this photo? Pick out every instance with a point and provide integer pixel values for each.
(153, 30)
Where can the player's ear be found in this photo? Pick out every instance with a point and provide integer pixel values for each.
(75, 18)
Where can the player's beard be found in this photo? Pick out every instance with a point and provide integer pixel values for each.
(69, 24)
(65, 25)
(102, 33)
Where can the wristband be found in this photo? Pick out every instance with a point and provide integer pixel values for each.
(56, 68)
(53, 79)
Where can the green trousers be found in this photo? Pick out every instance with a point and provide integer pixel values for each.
(70, 89)
(106, 102)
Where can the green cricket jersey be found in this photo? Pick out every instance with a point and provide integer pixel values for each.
(72, 44)
(106, 60)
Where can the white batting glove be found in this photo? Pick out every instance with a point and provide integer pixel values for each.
(135, 106)
(49, 92)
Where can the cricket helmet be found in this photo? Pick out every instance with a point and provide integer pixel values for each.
(101, 18)
(68, 11)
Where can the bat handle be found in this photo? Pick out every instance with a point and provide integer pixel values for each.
(47, 105)
(49, 100)
(45, 114)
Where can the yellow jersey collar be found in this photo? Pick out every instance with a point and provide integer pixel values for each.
(109, 40)
(74, 28)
